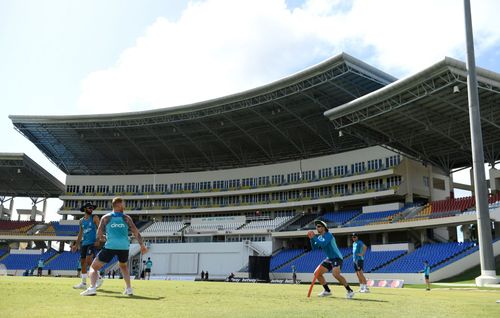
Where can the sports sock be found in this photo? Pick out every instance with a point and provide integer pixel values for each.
(325, 286)
(84, 278)
(348, 288)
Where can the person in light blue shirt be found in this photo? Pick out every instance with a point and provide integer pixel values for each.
(40, 267)
(333, 261)
(87, 242)
(358, 258)
(149, 265)
(116, 226)
(427, 272)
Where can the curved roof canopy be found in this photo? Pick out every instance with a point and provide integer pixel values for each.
(22, 177)
(426, 115)
(278, 122)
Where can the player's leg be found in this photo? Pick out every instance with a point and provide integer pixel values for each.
(91, 255)
(319, 274)
(84, 264)
(341, 279)
(122, 262)
(105, 256)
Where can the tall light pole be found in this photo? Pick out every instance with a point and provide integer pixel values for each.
(488, 272)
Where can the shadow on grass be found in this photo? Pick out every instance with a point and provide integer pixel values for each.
(369, 300)
(116, 294)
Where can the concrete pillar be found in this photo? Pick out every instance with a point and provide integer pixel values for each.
(466, 232)
(33, 212)
(385, 238)
(408, 182)
(336, 206)
(61, 246)
(423, 236)
(452, 234)
(44, 210)
(431, 183)
(452, 192)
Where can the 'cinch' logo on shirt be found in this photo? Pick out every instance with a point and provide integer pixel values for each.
(117, 225)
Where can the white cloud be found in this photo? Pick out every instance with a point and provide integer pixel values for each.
(219, 47)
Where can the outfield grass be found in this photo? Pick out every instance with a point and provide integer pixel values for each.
(54, 297)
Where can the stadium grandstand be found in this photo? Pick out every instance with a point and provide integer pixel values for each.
(247, 174)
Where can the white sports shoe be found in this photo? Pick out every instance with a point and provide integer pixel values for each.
(349, 295)
(99, 282)
(364, 291)
(324, 294)
(89, 292)
(80, 286)
(128, 291)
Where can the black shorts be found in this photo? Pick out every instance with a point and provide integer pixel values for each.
(330, 264)
(358, 265)
(148, 270)
(426, 276)
(106, 255)
(87, 250)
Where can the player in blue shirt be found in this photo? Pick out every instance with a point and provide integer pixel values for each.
(358, 257)
(333, 261)
(427, 272)
(87, 242)
(147, 271)
(116, 226)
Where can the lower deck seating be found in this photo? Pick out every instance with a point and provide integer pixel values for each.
(15, 227)
(434, 253)
(64, 261)
(372, 260)
(65, 230)
(308, 262)
(301, 222)
(26, 261)
(283, 257)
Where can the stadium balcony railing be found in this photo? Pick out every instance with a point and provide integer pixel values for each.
(348, 173)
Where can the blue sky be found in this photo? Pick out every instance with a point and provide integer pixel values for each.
(75, 57)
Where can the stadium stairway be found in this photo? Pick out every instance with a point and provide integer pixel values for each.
(289, 222)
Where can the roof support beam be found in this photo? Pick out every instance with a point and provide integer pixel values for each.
(194, 144)
(164, 144)
(139, 150)
(251, 137)
(226, 145)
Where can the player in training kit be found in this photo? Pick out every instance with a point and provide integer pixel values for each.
(147, 272)
(87, 242)
(333, 261)
(116, 226)
(427, 272)
(358, 257)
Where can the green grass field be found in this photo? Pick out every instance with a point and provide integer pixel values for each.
(54, 297)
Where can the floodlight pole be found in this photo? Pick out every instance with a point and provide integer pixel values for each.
(488, 272)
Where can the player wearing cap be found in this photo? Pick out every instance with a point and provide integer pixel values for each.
(358, 257)
(113, 229)
(333, 262)
(87, 242)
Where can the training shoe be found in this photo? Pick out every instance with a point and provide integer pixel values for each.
(99, 282)
(324, 294)
(364, 291)
(80, 286)
(128, 291)
(91, 291)
(349, 295)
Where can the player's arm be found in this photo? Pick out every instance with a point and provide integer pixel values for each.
(363, 251)
(322, 241)
(135, 231)
(101, 228)
(78, 239)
